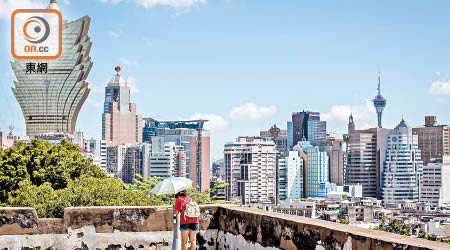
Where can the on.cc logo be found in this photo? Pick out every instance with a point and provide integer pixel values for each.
(36, 34)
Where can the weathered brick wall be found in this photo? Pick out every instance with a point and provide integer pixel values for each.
(221, 227)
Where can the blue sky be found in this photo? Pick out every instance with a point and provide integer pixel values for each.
(247, 65)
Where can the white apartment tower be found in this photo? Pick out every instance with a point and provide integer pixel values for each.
(163, 159)
(290, 176)
(98, 148)
(435, 190)
(250, 169)
(401, 169)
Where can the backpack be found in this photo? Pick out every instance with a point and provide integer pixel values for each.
(192, 209)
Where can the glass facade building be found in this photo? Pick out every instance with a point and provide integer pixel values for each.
(317, 131)
(51, 101)
(316, 169)
(193, 138)
(290, 135)
(290, 176)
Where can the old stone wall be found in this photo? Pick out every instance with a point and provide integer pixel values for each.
(221, 227)
(270, 229)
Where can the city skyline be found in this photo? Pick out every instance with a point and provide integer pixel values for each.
(155, 63)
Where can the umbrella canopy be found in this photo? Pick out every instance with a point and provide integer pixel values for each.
(172, 185)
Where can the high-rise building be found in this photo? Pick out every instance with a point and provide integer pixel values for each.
(317, 131)
(290, 135)
(98, 148)
(78, 138)
(55, 138)
(300, 124)
(316, 169)
(379, 102)
(51, 102)
(279, 136)
(5, 142)
(132, 164)
(158, 158)
(434, 189)
(434, 140)
(336, 151)
(217, 168)
(180, 161)
(401, 168)
(124, 162)
(363, 157)
(290, 177)
(120, 125)
(95, 159)
(250, 169)
(195, 140)
(115, 158)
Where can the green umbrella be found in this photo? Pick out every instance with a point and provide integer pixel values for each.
(172, 185)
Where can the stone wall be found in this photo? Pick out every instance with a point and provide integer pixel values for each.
(269, 229)
(221, 227)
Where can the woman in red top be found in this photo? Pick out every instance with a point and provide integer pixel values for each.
(188, 225)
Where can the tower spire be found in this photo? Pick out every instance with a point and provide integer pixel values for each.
(53, 5)
(379, 83)
(379, 102)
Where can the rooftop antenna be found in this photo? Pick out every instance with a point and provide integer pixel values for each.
(11, 128)
(379, 83)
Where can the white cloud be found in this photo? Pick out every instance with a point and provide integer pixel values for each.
(365, 112)
(172, 3)
(110, 1)
(67, 2)
(440, 87)
(132, 84)
(8, 6)
(215, 122)
(251, 111)
(114, 34)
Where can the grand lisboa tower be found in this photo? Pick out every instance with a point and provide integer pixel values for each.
(51, 102)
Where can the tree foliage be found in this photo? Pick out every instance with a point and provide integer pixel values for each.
(395, 227)
(51, 177)
(344, 221)
(39, 162)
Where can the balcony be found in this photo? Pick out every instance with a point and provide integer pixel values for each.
(221, 227)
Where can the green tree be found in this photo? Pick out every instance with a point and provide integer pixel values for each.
(343, 221)
(52, 177)
(41, 162)
(422, 235)
(432, 237)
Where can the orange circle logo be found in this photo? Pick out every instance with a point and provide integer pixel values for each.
(36, 29)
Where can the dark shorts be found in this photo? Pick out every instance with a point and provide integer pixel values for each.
(189, 226)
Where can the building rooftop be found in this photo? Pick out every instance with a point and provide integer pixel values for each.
(117, 81)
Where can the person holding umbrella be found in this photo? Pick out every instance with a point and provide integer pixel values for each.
(189, 209)
(188, 220)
